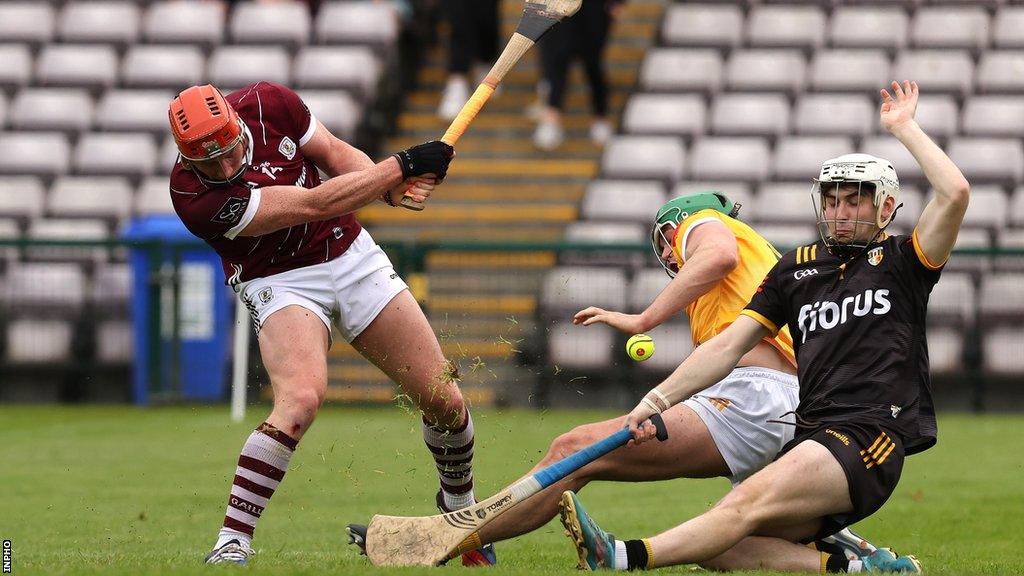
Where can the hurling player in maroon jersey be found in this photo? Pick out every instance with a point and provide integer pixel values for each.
(247, 182)
(855, 303)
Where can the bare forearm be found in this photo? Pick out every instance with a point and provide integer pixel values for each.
(351, 191)
(948, 181)
(344, 159)
(695, 279)
(709, 363)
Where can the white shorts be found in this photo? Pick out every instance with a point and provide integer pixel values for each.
(737, 411)
(357, 285)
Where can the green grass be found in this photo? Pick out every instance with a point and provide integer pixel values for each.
(114, 490)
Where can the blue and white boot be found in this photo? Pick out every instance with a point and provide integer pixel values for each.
(884, 560)
(594, 547)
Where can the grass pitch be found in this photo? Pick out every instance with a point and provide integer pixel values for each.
(116, 490)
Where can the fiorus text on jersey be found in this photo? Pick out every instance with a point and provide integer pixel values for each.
(827, 315)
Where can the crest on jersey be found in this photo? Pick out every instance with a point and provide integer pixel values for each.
(875, 256)
(895, 410)
(287, 148)
(266, 295)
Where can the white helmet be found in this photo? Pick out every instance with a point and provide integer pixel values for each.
(865, 168)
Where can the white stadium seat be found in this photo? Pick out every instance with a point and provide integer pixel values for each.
(937, 114)
(745, 159)
(952, 300)
(142, 110)
(606, 232)
(153, 197)
(1002, 350)
(38, 341)
(85, 65)
(1017, 207)
(270, 23)
(950, 27)
(35, 153)
(913, 204)
(578, 348)
(717, 26)
(988, 159)
(945, 350)
(337, 111)
(17, 68)
(22, 197)
(785, 237)
(750, 114)
(163, 66)
(800, 157)
(989, 208)
(785, 203)
(232, 67)
(849, 70)
(887, 147)
(650, 157)
(1010, 240)
(371, 23)
(767, 69)
(682, 70)
(167, 157)
(354, 68)
(993, 116)
(107, 197)
(846, 114)
(971, 238)
(67, 229)
(786, 26)
(645, 287)
(623, 200)
(173, 21)
(936, 70)
(129, 153)
(667, 114)
(1001, 71)
(1001, 298)
(1008, 27)
(65, 109)
(99, 21)
(572, 288)
(115, 341)
(26, 22)
(869, 27)
(64, 283)
(673, 344)
(112, 285)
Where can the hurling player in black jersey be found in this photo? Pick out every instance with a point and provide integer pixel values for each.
(855, 304)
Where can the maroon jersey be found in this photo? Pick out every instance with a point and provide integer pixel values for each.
(276, 125)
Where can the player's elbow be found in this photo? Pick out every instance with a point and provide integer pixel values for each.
(960, 195)
(726, 258)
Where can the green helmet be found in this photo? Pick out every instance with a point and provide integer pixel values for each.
(678, 209)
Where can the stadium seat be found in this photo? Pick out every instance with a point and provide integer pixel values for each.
(168, 155)
(606, 232)
(34, 153)
(133, 110)
(849, 70)
(1017, 207)
(737, 192)
(174, 21)
(84, 65)
(913, 204)
(989, 208)
(115, 342)
(1002, 348)
(232, 67)
(112, 286)
(354, 68)
(717, 26)
(786, 27)
(371, 23)
(800, 157)
(1010, 240)
(730, 158)
(785, 237)
(115, 22)
(750, 115)
(1001, 299)
(889, 148)
(65, 109)
(44, 286)
(785, 203)
(623, 200)
(1008, 27)
(937, 70)
(988, 159)
(163, 66)
(645, 287)
(845, 114)
(674, 344)
(17, 68)
(67, 229)
(37, 341)
(993, 116)
(26, 22)
(945, 350)
(682, 70)
(952, 300)
(337, 111)
(665, 114)
(3, 110)
(153, 197)
(869, 27)
(971, 238)
(767, 69)
(23, 197)
(286, 23)
(107, 197)
(572, 288)
(128, 153)
(937, 114)
(1001, 71)
(950, 27)
(650, 157)
(580, 348)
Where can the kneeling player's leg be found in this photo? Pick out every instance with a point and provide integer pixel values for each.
(293, 344)
(402, 344)
(689, 452)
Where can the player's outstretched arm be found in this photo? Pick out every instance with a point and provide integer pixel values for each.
(286, 206)
(711, 254)
(940, 221)
(709, 363)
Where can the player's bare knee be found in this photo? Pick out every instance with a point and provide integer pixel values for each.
(301, 404)
(741, 506)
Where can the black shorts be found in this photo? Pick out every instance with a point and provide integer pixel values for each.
(871, 457)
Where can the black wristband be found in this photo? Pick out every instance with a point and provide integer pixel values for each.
(405, 163)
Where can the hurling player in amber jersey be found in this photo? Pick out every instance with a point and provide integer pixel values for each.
(855, 304)
(247, 182)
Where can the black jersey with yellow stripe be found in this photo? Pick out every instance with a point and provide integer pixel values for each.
(858, 329)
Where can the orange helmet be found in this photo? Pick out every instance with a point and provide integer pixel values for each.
(203, 123)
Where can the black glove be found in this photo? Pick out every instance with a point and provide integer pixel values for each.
(428, 158)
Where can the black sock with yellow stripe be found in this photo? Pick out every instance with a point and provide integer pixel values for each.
(636, 555)
(834, 563)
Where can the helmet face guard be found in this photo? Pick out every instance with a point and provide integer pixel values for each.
(674, 212)
(205, 128)
(664, 236)
(843, 236)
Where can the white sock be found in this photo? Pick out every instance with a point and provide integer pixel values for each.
(620, 555)
(855, 566)
(227, 535)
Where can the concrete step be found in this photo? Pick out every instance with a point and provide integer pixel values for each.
(487, 120)
(476, 213)
(511, 233)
